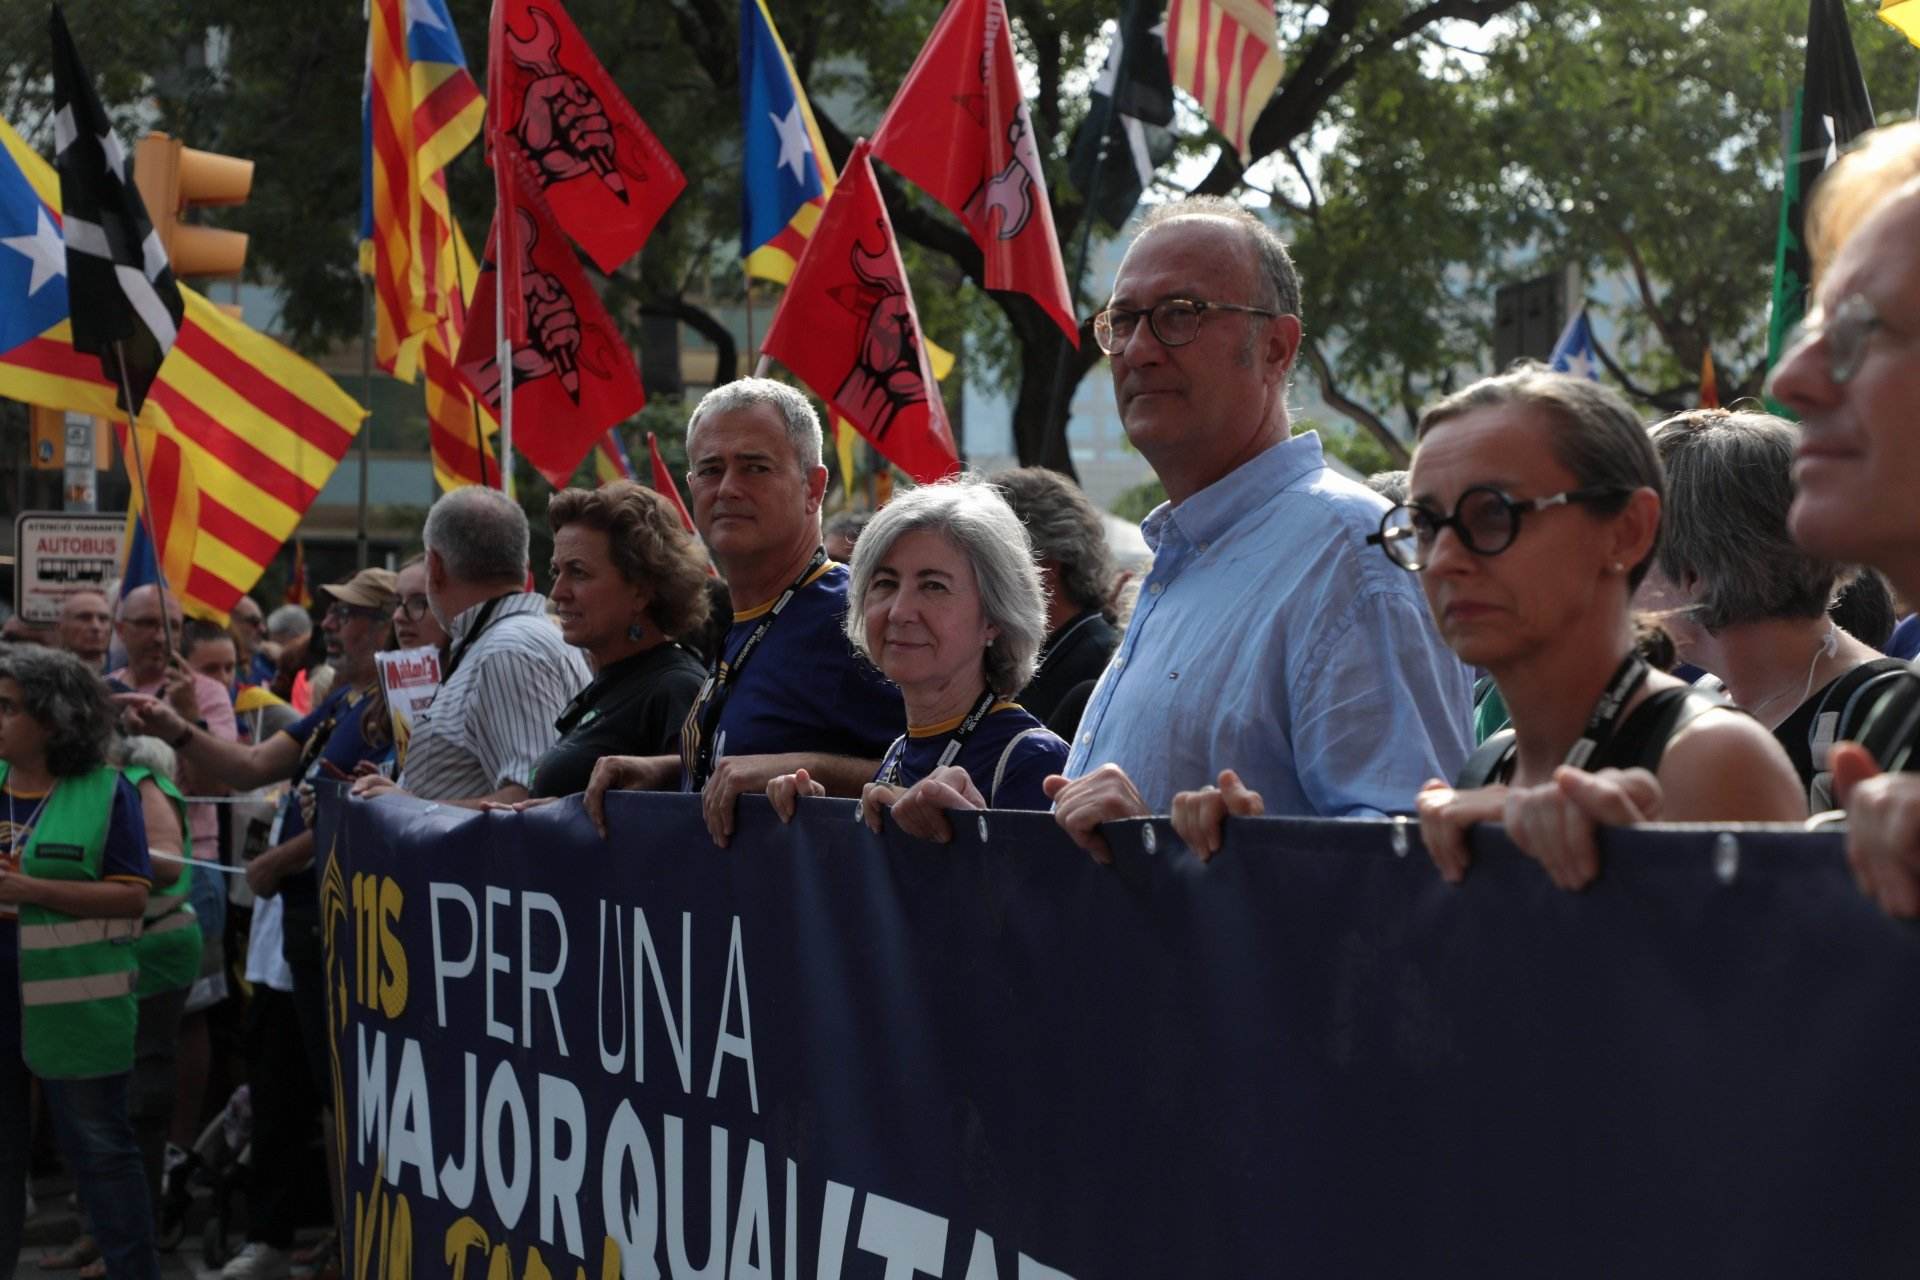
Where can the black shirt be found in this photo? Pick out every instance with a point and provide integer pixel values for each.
(1074, 655)
(1806, 737)
(633, 708)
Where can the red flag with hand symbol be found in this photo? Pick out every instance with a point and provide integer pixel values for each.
(573, 375)
(599, 168)
(959, 130)
(847, 326)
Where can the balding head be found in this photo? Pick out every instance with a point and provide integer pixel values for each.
(86, 625)
(1275, 282)
(141, 633)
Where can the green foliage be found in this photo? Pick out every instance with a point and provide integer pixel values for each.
(1136, 503)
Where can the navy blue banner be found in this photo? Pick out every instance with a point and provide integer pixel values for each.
(825, 1053)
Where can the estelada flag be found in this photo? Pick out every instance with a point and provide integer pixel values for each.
(601, 170)
(847, 327)
(959, 130)
(573, 375)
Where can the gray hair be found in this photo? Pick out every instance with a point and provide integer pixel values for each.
(803, 424)
(142, 752)
(1729, 484)
(1065, 528)
(1592, 432)
(288, 622)
(69, 701)
(479, 534)
(974, 516)
(1269, 250)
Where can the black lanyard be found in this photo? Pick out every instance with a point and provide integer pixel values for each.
(1605, 719)
(698, 736)
(480, 624)
(955, 741)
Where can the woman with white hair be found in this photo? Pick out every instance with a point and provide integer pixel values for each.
(945, 599)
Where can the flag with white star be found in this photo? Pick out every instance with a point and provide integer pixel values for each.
(1574, 353)
(785, 175)
(126, 307)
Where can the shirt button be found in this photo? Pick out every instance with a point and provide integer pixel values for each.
(1119, 663)
(1173, 675)
(1154, 589)
(1085, 739)
(1205, 545)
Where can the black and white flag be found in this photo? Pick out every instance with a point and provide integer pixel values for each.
(122, 292)
(1134, 96)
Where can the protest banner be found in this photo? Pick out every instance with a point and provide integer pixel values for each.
(823, 1052)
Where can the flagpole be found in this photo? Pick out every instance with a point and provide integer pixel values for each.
(505, 358)
(473, 401)
(366, 395)
(749, 277)
(1089, 214)
(146, 503)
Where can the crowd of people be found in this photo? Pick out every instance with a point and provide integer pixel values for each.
(1688, 620)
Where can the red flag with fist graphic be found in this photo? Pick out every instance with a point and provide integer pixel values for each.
(959, 130)
(605, 176)
(847, 327)
(573, 375)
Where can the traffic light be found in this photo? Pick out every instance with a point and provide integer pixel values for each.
(174, 179)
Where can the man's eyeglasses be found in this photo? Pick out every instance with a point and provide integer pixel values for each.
(1175, 322)
(414, 607)
(1485, 520)
(1846, 329)
(343, 613)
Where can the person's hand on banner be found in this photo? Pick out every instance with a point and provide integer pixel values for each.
(625, 773)
(368, 786)
(1883, 828)
(1199, 816)
(733, 777)
(1445, 815)
(309, 802)
(921, 810)
(1081, 805)
(1554, 822)
(785, 792)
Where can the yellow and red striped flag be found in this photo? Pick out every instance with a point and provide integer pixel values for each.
(1709, 381)
(258, 429)
(1226, 54)
(423, 108)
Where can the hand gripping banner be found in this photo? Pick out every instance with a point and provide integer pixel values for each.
(825, 1053)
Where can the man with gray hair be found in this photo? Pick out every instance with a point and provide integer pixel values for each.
(1269, 638)
(788, 692)
(508, 673)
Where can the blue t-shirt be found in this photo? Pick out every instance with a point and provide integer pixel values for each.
(1033, 757)
(804, 688)
(346, 746)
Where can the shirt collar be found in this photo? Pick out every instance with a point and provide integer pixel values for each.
(1214, 510)
(510, 604)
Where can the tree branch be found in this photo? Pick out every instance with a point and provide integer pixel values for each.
(1670, 400)
(1650, 304)
(1373, 423)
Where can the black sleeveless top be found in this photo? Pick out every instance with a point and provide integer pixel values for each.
(1639, 742)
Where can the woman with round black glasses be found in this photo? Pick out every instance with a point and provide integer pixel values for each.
(1534, 514)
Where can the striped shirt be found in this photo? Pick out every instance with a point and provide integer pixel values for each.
(490, 724)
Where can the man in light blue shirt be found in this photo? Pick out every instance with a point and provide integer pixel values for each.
(1269, 638)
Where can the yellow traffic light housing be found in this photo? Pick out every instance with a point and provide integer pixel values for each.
(174, 179)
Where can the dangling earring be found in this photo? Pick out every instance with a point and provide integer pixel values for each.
(634, 631)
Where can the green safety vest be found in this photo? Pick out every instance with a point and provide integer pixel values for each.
(76, 975)
(169, 947)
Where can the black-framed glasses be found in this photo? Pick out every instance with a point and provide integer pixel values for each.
(1485, 520)
(1846, 328)
(1175, 321)
(415, 607)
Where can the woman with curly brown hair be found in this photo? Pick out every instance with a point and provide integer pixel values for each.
(629, 583)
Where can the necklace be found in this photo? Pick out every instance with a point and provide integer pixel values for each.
(18, 834)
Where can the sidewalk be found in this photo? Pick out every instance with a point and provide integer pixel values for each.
(54, 1221)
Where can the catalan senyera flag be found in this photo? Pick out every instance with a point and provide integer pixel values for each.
(786, 175)
(664, 486)
(259, 429)
(422, 108)
(1226, 53)
(175, 511)
(298, 592)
